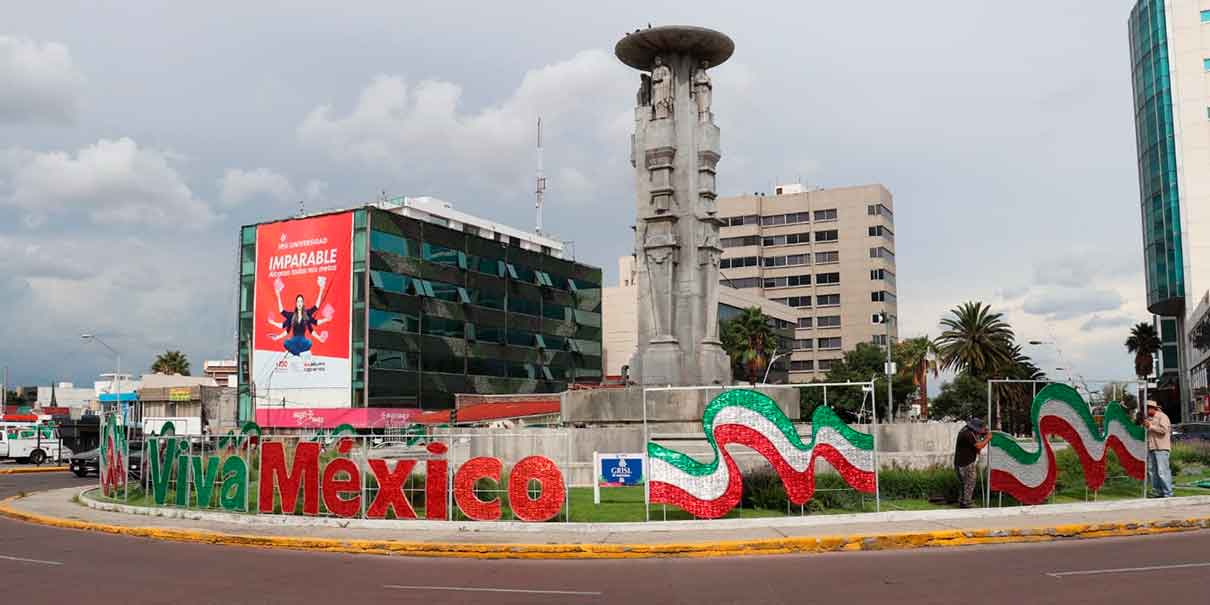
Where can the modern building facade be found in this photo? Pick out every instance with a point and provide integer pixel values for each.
(827, 253)
(620, 306)
(1170, 63)
(440, 303)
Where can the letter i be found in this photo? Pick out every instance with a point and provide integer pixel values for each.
(436, 482)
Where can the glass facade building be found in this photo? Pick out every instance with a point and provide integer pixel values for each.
(1155, 133)
(438, 311)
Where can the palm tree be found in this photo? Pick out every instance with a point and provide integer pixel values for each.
(749, 341)
(1144, 343)
(171, 362)
(976, 340)
(918, 357)
(1020, 395)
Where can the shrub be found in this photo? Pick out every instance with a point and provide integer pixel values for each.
(1196, 451)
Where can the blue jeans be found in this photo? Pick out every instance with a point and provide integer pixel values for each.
(1160, 473)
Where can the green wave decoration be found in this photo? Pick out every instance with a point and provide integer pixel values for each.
(1114, 412)
(765, 406)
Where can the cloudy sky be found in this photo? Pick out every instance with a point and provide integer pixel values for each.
(135, 139)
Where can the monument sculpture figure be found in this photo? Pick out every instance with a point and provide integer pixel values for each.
(702, 91)
(661, 89)
(675, 154)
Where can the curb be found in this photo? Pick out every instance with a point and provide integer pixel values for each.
(894, 541)
(37, 469)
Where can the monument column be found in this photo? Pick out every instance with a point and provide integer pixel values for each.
(675, 152)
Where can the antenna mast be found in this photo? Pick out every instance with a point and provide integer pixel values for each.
(540, 191)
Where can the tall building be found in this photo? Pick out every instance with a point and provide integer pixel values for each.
(1170, 63)
(368, 315)
(620, 306)
(828, 253)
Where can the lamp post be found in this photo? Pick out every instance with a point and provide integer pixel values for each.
(772, 360)
(114, 387)
(887, 318)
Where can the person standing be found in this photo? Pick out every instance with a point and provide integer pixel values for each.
(1159, 446)
(971, 439)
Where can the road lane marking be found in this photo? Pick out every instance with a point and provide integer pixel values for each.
(24, 560)
(510, 590)
(1093, 572)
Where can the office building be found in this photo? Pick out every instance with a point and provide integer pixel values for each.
(827, 253)
(620, 306)
(397, 306)
(1170, 63)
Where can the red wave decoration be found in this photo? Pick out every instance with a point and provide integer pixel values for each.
(1094, 470)
(800, 486)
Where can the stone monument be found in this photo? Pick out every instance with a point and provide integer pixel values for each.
(675, 151)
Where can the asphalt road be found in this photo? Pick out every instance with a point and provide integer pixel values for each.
(43, 565)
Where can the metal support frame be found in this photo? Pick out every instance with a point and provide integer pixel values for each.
(1141, 386)
(798, 387)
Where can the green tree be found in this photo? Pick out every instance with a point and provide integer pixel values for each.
(975, 341)
(171, 362)
(750, 341)
(961, 398)
(917, 358)
(863, 362)
(1144, 343)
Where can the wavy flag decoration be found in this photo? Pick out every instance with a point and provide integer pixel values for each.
(750, 418)
(1058, 410)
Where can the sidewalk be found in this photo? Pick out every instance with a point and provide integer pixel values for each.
(871, 531)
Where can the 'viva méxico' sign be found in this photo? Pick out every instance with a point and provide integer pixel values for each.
(296, 480)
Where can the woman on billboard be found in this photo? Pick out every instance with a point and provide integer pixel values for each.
(296, 324)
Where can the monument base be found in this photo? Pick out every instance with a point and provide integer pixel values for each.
(662, 363)
(713, 364)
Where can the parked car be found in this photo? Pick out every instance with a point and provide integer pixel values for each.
(86, 463)
(1191, 430)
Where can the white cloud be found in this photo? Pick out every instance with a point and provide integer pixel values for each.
(423, 130)
(39, 82)
(1099, 322)
(112, 182)
(239, 186)
(1068, 303)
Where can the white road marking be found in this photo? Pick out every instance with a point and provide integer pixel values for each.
(1093, 572)
(24, 560)
(514, 590)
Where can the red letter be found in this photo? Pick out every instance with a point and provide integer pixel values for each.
(549, 501)
(436, 482)
(464, 488)
(390, 490)
(304, 471)
(334, 487)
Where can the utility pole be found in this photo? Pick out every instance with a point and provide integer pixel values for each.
(4, 394)
(890, 369)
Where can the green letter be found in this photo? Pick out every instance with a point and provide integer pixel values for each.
(203, 479)
(161, 466)
(234, 493)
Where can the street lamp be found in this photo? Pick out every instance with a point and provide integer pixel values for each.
(772, 361)
(114, 387)
(887, 318)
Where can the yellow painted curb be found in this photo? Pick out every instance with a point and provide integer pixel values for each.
(775, 546)
(36, 469)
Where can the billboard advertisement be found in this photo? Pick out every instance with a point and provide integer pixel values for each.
(301, 334)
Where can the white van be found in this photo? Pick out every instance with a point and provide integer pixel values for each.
(27, 441)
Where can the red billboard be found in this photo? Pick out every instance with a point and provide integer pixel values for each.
(301, 338)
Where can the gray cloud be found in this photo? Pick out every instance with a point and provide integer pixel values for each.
(41, 83)
(1069, 303)
(1098, 322)
(110, 182)
(998, 160)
